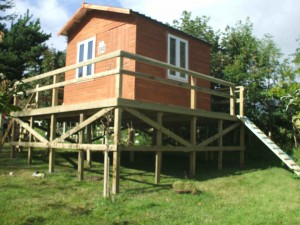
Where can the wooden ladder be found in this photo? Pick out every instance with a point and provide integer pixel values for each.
(291, 164)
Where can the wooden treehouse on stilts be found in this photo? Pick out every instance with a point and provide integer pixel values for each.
(125, 68)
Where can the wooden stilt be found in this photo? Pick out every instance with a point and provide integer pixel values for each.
(117, 153)
(30, 149)
(220, 153)
(158, 156)
(13, 148)
(89, 141)
(242, 143)
(81, 152)
(106, 191)
(194, 143)
(53, 124)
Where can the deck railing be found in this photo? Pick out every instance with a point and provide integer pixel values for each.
(232, 93)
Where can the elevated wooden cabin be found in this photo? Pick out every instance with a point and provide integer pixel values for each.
(96, 30)
(125, 68)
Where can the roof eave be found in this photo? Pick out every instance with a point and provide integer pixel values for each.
(80, 13)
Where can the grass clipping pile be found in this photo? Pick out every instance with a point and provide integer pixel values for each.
(185, 187)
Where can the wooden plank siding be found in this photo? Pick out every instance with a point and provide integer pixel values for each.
(136, 34)
(152, 41)
(118, 32)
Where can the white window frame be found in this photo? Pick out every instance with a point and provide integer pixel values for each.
(85, 55)
(177, 63)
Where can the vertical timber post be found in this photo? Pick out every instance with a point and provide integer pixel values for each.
(53, 124)
(193, 126)
(30, 149)
(242, 102)
(220, 153)
(194, 143)
(158, 155)
(117, 130)
(242, 144)
(232, 101)
(13, 147)
(106, 169)
(13, 129)
(117, 151)
(80, 151)
(89, 141)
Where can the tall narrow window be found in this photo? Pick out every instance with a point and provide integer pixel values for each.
(85, 51)
(177, 56)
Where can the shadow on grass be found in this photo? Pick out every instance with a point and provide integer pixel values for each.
(34, 220)
(174, 165)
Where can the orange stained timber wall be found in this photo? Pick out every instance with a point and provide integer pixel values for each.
(152, 41)
(118, 31)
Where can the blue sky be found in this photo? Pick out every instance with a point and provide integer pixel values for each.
(275, 17)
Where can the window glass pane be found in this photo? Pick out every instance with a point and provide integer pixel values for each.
(90, 50)
(81, 52)
(80, 71)
(88, 70)
(172, 51)
(182, 55)
(172, 55)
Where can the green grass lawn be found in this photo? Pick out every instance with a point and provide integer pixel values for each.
(262, 193)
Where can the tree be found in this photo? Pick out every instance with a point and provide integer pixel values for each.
(240, 57)
(293, 103)
(22, 49)
(21, 55)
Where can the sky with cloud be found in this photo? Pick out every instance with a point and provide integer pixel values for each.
(275, 17)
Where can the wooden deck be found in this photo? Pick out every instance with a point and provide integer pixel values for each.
(117, 115)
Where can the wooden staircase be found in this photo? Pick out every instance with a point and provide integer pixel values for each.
(291, 164)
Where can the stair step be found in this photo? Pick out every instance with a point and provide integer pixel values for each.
(271, 145)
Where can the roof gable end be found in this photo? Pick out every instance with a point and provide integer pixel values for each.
(81, 12)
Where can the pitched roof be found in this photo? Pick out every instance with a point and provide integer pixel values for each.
(81, 12)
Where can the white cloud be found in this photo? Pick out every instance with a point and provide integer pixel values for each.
(276, 17)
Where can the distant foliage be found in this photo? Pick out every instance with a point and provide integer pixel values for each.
(238, 56)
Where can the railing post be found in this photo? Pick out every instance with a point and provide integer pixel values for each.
(30, 149)
(54, 91)
(242, 89)
(232, 100)
(193, 93)
(119, 79)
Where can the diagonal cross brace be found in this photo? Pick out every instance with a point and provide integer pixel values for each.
(81, 125)
(218, 135)
(6, 132)
(31, 130)
(158, 127)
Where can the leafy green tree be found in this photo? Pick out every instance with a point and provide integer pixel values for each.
(242, 58)
(22, 48)
(21, 54)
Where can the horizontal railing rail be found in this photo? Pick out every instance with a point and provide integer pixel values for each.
(228, 92)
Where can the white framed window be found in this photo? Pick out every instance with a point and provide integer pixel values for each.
(86, 51)
(177, 56)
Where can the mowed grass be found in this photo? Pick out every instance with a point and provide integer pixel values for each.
(262, 193)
